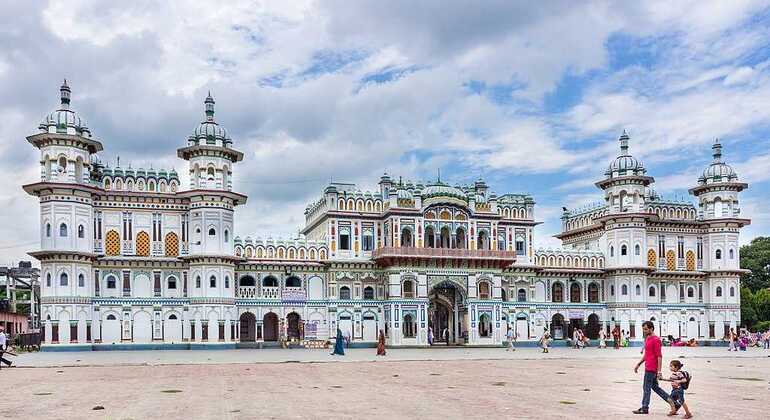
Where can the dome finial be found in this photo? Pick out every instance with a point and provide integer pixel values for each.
(624, 143)
(717, 148)
(209, 103)
(65, 94)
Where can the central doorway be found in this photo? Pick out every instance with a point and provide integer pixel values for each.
(292, 328)
(270, 323)
(447, 314)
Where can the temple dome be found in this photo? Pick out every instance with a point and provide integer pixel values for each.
(625, 164)
(209, 132)
(718, 170)
(65, 120)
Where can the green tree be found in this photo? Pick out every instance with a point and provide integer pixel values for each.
(748, 312)
(756, 258)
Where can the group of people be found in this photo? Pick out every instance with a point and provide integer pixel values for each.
(745, 339)
(579, 339)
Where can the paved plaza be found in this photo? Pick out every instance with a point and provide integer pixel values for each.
(427, 383)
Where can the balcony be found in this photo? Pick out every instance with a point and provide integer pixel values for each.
(387, 255)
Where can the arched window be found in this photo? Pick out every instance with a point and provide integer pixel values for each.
(612, 290)
(410, 326)
(81, 280)
(638, 290)
(81, 231)
(719, 291)
(430, 237)
(344, 292)
(62, 164)
(731, 253)
(227, 282)
(212, 281)
(172, 317)
(521, 295)
(623, 250)
(485, 325)
(210, 173)
(212, 232)
(624, 290)
(637, 250)
(369, 293)
(247, 281)
(63, 230)
(171, 283)
(111, 317)
(48, 280)
(484, 290)
(48, 230)
(593, 293)
(408, 289)
(198, 282)
(652, 291)
(718, 254)
(690, 292)
(557, 292)
(112, 282)
(63, 279)
(482, 240)
(293, 281)
(406, 237)
(269, 281)
(612, 251)
(227, 236)
(732, 291)
(574, 293)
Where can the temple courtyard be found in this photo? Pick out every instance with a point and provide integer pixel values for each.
(432, 383)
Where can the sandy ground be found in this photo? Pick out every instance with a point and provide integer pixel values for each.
(413, 383)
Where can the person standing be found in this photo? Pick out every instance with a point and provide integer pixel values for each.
(544, 340)
(3, 347)
(766, 338)
(381, 344)
(652, 358)
(445, 335)
(602, 339)
(339, 344)
(616, 337)
(732, 340)
(430, 336)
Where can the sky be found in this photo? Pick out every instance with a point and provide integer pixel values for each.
(532, 97)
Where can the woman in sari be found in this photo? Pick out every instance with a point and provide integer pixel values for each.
(381, 344)
(339, 344)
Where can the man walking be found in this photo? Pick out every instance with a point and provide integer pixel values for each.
(3, 347)
(511, 337)
(652, 357)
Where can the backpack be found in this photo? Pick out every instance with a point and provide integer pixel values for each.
(687, 379)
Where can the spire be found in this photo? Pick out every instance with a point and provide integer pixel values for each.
(624, 143)
(65, 94)
(717, 148)
(439, 176)
(209, 103)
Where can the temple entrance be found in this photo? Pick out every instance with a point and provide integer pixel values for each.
(593, 327)
(557, 327)
(447, 314)
(270, 322)
(248, 327)
(292, 326)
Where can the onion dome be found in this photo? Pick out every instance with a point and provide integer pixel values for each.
(439, 189)
(208, 131)
(64, 120)
(718, 171)
(625, 164)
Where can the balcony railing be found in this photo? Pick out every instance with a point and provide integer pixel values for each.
(270, 292)
(246, 292)
(386, 252)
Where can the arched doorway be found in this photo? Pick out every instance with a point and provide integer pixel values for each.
(430, 237)
(444, 239)
(248, 327)
(447, 313)
(460, 238)
(593, 327)
(293, 326)
(557, 327)
(270, 326)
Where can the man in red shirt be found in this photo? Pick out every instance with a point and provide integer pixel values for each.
(652, 357)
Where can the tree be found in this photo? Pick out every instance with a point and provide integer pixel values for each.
(756, 258)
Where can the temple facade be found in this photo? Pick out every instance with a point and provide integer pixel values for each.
(132, 259)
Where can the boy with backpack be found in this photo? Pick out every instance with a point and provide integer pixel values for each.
(680, 381)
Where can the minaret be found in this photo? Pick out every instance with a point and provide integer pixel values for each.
(718, 206)
(66, 192)
(212, 206)
(625, 182)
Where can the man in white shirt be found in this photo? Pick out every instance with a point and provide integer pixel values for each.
(511, 337)
(3, 347)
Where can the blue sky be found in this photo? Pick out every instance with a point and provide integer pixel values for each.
(531, 97)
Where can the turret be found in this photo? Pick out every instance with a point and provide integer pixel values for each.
(625, 182)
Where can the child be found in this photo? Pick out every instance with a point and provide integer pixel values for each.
(678, 381)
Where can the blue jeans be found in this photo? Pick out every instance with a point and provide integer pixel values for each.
(651, 384)
(677, 394)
